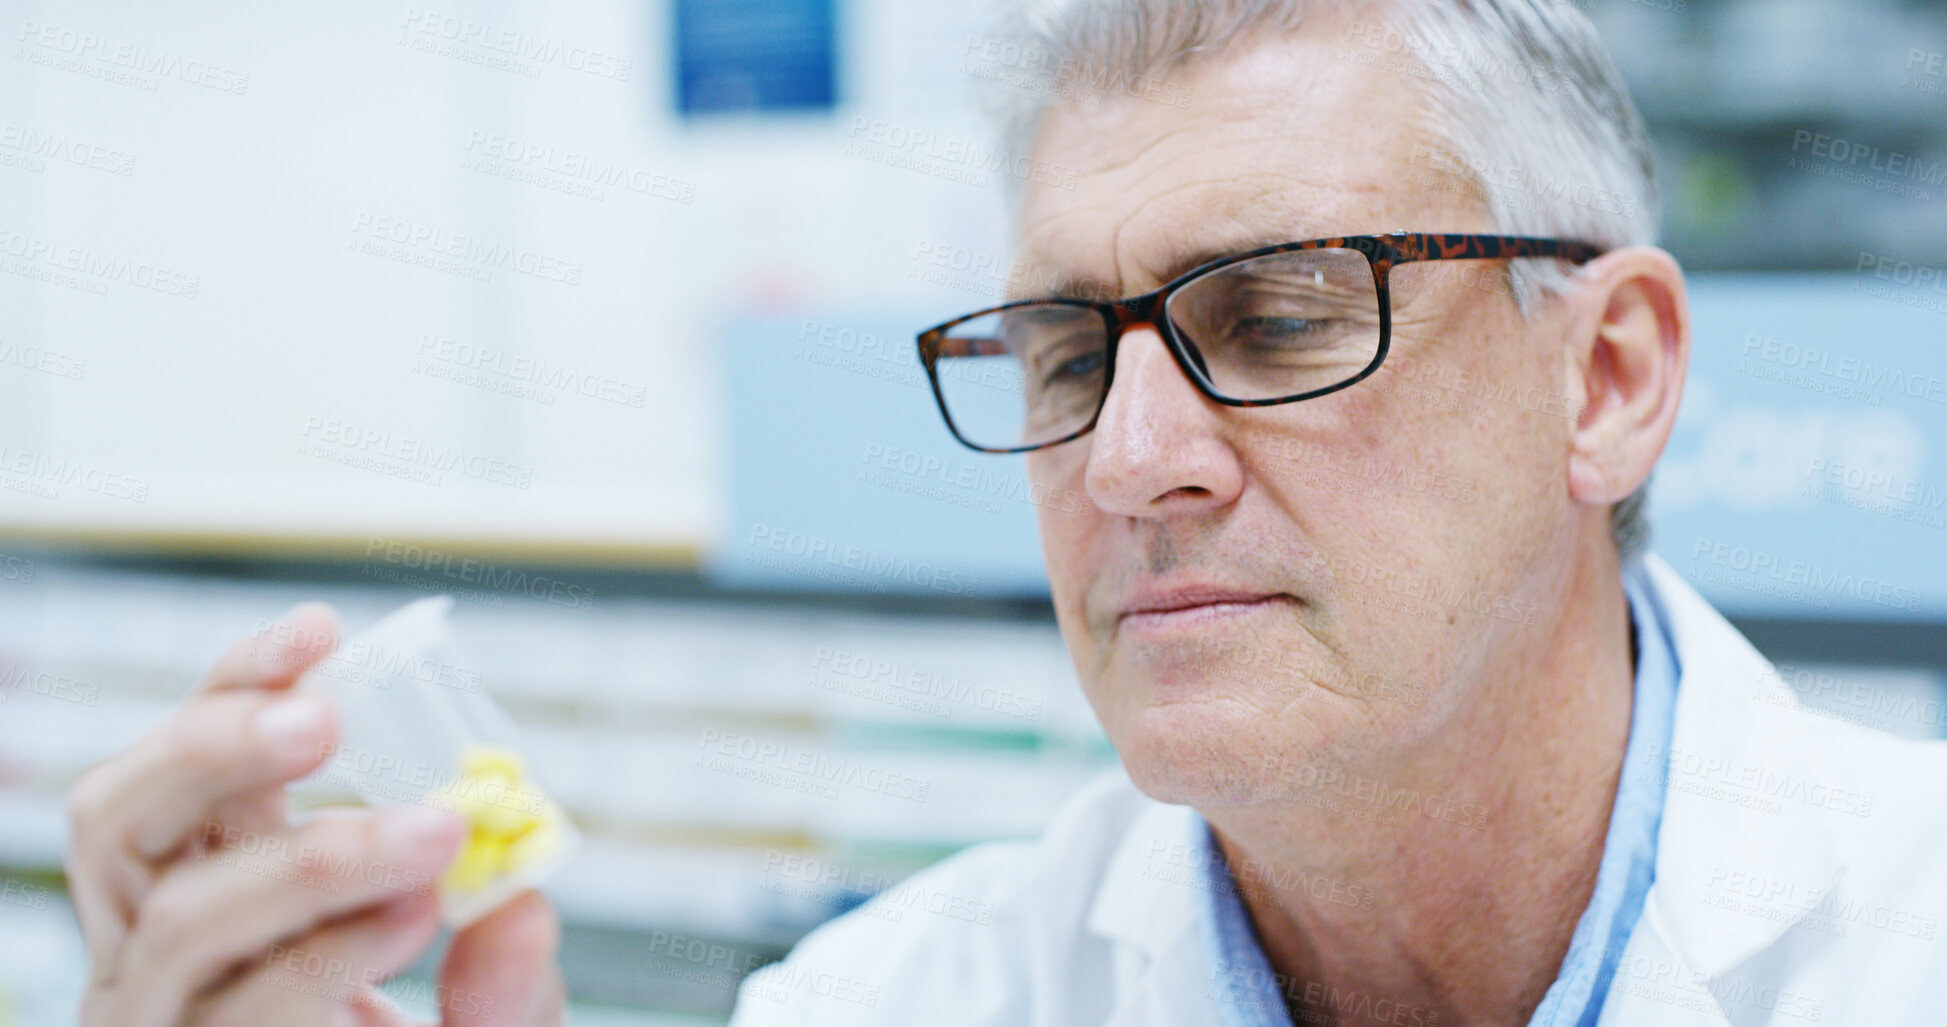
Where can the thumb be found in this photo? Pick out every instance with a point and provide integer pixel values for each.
(500, 971)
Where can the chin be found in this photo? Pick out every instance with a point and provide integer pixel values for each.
(1186, 754)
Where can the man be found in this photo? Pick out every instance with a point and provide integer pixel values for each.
(1413, 734)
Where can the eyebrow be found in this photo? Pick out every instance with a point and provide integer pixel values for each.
(1177, 266)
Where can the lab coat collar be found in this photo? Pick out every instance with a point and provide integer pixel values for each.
(1737, 737)
(1147, 896)
(1148, 905)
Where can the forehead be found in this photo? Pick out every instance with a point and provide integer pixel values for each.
(1293, 135)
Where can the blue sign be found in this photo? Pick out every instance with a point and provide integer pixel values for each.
(761, 56)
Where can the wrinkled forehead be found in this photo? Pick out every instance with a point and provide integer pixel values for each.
(1289, 135)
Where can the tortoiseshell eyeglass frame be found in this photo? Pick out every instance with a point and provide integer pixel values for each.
(1382, 252)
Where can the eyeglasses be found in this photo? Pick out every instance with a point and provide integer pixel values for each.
(1273, 325)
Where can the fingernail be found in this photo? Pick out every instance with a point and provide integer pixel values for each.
(276, 647)
(291, 721)
(407, 832)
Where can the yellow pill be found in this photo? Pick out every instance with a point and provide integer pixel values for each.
(493, 761)
(509, 815)
(535, 843)
(509, 823)
(481, 859)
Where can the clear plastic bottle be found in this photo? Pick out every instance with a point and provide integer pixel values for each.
(415, 727)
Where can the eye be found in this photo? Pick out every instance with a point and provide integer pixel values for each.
(1081, 365)
(1274, 330)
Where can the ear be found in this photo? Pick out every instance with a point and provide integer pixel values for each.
(1628, 348)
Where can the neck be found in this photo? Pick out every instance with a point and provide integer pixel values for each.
(1457, 902)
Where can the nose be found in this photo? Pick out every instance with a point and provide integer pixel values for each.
(1159, 447)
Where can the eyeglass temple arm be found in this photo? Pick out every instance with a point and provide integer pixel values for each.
(965, 346)
(1416, 246)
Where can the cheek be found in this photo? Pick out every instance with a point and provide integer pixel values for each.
(1057, 478)
(1069, 526)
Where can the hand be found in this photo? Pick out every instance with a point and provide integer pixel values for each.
(204, 904)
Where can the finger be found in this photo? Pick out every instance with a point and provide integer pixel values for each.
(327, 977)
(500, 971)
(127, 815)
(225, 752)
(278, 652)
(206, 915)
(224, 747)
(224, 739)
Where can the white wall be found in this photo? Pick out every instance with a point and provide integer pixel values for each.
(214, 416)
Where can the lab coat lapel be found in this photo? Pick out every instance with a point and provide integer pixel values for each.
(1148, 905)
(1750, 792)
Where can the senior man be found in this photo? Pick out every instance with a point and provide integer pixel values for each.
(1413, 732)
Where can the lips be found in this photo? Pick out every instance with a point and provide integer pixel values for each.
(1188, 598)
(1191, 609)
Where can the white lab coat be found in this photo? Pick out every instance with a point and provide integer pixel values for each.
(1801, 878)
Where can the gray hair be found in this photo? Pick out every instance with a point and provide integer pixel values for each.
(1539, 123)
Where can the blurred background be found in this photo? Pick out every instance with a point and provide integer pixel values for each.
(599, 317)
